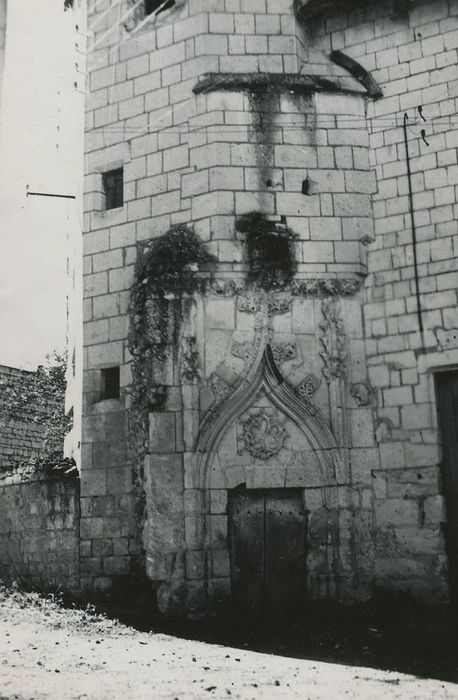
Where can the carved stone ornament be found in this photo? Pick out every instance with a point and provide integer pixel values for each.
(250, 303)
(309, 386)
(362, 393)
(228, 287)
(190, 370)
(283, 352)
(277, 304)
(220, 389)
(447, 340)
(273, 304)
(325, 287)
(333, 340)
(299, 288)
(262, 435)
(264, 376)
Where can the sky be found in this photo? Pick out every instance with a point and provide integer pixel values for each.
(40, 150)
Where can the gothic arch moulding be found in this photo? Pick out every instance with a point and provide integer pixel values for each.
(265, 376)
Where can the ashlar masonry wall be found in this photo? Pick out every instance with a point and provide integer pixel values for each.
(414, 59)
(215, 110)
(39, 533)
(197, 154)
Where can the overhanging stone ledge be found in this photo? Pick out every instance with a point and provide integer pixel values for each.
(279, 82)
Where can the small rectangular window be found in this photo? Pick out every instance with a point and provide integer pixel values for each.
(113, 182)
(110, 383)
(154, 5)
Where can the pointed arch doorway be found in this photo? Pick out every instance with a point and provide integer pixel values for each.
(267, 536)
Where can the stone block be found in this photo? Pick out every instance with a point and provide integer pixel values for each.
(392, 455)
(119, 480)
(194, 531)
(193, 501)
(162, 432)
(219, 591)
(85, 549)
(217, 530)
(93, 482)
(164, 482)
(102, 584)
(91, 528)
(396, 512)
(362, 427)
(218, 501)
(219, 563)
(102, 548)
(220, 313)
(116, 566)
(303, 316)
(195, 595)
(91, 566)
(108, 454)
(195, 564)
(434, 510)
(420, 454)
(363, 462)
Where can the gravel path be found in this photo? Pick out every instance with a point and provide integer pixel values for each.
(49, 652)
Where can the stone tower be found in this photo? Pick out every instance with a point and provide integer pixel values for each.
(226, 391)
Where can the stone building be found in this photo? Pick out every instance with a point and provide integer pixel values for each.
(270, 319)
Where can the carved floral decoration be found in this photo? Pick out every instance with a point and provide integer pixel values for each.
(333, 341)
(283, 352)
(309, 386)
(263, 435)
(299, 288)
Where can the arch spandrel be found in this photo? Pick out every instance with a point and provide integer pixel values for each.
(267, 379)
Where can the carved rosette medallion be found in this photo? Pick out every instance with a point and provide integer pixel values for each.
(333, 341)
(262, 435)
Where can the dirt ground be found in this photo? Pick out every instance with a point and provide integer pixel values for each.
(47, 651)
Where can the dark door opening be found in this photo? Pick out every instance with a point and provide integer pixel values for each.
(447, 407)
(267, 549)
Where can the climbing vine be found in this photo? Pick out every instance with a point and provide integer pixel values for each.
(270, 251)
(38, 399)
(169, 270)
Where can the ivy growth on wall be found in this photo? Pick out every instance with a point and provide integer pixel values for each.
(270, 251)
(169, 270)
(38, 399)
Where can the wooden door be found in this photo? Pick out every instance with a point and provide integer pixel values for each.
(447, 405)
(267, 547)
